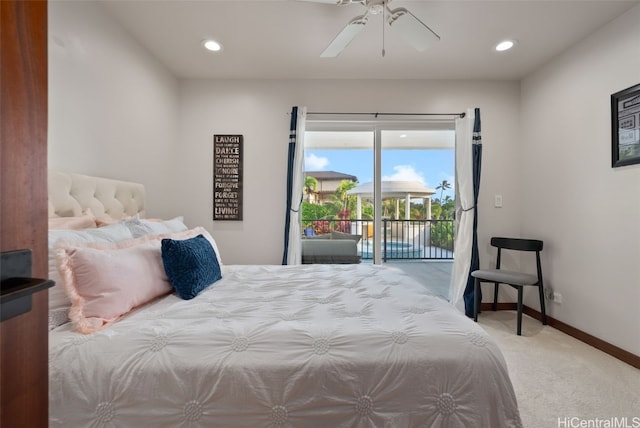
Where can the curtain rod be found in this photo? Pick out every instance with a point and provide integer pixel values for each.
(391, 114)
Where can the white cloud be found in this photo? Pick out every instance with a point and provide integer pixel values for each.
(315, 163)
(404, 173)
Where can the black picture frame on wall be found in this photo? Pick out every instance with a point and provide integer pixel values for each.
(625, 127)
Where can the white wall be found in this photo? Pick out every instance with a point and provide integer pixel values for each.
(112, 106)
(259, 111)
(114, 111)
(587, 212)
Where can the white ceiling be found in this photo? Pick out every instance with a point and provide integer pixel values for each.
(409, 139)
(283, 39)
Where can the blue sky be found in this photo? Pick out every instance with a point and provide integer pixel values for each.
(427, 166)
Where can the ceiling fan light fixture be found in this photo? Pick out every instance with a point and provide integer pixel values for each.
(408, 26)
(211, 45)
(505, 45)
(376, 9)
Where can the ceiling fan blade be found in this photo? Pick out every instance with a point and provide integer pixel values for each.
(411, 29)
(345, 37)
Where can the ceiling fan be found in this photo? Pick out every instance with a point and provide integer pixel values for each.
(409, 27)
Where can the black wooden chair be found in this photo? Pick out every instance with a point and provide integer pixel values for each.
(517, 280)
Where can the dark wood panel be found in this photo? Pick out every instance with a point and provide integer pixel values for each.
(23, 207)
(614, 351)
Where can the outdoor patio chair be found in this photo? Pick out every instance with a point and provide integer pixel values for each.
(517, 280)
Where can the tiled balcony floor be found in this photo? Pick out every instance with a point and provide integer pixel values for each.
(434, 274)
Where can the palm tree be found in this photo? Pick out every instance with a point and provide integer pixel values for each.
(310, 187)
(443, 186)
(341, 192)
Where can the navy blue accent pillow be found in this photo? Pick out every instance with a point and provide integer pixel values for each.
(191, 265)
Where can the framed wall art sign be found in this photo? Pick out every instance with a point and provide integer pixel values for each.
(625, 127)
(227, 177)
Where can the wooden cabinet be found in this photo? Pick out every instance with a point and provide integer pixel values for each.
(23, 205)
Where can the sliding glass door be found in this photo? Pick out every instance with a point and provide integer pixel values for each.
(417, 176)
(388, 184)
(337, 160)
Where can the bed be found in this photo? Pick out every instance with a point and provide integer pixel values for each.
(283, 346)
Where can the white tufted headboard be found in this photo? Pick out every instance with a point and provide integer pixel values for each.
(70, 194)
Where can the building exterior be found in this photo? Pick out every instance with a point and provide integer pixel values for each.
(328, 182)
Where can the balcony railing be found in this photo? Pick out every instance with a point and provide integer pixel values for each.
(400, 239)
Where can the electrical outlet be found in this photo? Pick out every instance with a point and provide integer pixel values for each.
(497, 201)
(548, 293)
(557, 297)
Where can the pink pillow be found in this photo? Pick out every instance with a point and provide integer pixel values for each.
(105, 281)
(86, 221)
(107, 221)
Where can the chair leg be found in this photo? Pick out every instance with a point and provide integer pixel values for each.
(476, 299)
(495, 297)
(520, 311)
(542, 305)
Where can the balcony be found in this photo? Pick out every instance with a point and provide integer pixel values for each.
(401, 239)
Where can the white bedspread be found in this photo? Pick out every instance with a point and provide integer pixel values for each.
(286, 346)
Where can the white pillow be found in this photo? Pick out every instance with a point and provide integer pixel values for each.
(59, 302)
(142, 227)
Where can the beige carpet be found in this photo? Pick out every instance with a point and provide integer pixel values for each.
(562, 382)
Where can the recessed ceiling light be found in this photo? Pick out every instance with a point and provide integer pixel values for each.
(505, 45)
(211, 45)
(403, 135)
